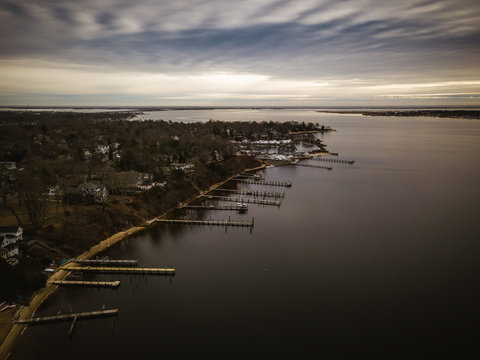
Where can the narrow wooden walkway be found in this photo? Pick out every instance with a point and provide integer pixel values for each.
(314, 166)
(341, 161)
(207, 222)
(264, 182)
(120, 270)
(112, 284)
(211, 207)
(67, 317)
(107, 262)
(244, 200)
(254, 193)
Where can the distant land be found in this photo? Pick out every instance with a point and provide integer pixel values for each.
(344, 109)
(461, 114)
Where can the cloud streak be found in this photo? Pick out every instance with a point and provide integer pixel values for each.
(302, 41)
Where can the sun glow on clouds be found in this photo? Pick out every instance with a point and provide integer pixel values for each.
(48, 78)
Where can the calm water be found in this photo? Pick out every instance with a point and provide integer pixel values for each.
(380, 257)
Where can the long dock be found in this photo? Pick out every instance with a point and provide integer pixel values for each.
(112, 284)
(244, 200)
(211, 207)
(264, 182)
(67, 317)
(249, 176)
(341, 161)
(314, 166)
(208, 222)
(254, 193)
(107, 262)
(121, 270)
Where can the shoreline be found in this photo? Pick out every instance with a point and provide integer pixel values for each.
(41, 295)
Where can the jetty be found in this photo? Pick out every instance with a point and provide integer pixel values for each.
(341, 161)
(112, 284)
(264, 182)
(121, 270)
(254, 193)
(314, 166)
(244, 200)
(208, 222)
(107, 262)
(67, 317)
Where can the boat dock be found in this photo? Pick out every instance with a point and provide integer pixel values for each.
(212, 207)
(341, 161)
(315, 166)
(121, 270)
(249, 176)
(244, 200)
(208, 222)
(264, 182)
(107, 262)
(254, 193)
(67, 317)
(112, 284)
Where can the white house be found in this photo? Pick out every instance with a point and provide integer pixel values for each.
(9, 236)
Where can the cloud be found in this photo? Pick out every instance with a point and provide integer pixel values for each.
(304, 41)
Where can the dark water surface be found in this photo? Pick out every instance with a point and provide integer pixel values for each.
(376, 258)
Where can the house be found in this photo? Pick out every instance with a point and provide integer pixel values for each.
(8, 165)
(86, 194)
(15, 232)
(186, 168)
(9, 236)
(97, 193)
(102, 149)
(53, 191)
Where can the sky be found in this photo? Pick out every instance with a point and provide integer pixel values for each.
(240, 53)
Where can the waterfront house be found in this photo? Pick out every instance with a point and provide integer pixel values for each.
(9, 236)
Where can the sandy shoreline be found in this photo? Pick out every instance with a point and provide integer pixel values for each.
(38, 298)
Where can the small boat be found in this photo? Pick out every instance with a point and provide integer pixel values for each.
(242, 208)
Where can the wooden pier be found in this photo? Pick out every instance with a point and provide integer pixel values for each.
(107, 262)
(314, 166)
(67, 317)
(244, 200)
(121, 270)
(212, 207)
(249, 176)
(264, 182)
(341, 161)
(112, 284)
(208, 222)
(254, 193)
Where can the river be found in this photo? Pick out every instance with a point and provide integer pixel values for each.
(375, 258)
